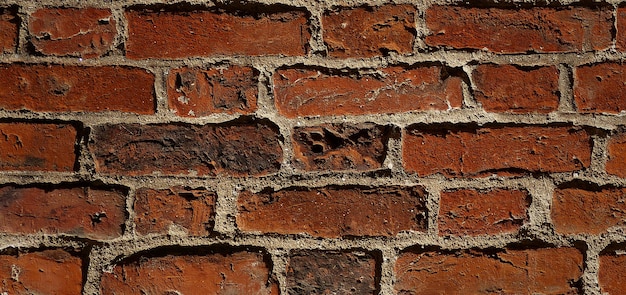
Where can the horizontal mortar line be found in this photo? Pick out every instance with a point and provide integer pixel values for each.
(325, 4)
(460, 116)
(455, 58)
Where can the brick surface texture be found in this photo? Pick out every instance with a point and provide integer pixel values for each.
(312, 147)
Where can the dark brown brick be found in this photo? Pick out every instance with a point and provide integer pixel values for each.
(61, 88)
(334, 211)
(500, 150)
(85, 32)
(329, 272)
(213, 273)
(37, 147)
(369, 31)
(544, 271)
(305, 92)
(611, 273)
(341, 146)
(234, 148)
(172, 34)
(44, 272)
(177, 208)
(9, 24)
(474, 212)
(197, 92)
(535, 29)
(513, 89)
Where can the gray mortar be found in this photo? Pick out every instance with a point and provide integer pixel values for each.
(105, 254)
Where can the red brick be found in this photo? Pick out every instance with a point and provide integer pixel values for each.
(85, 32)
(600, 88)
(59, 88)
(369, 31)
(620, 38)
(500, 149)
(80, 211)
(45, 272)
(341, 146)
(536, 29)
(304, 92)
(8, 31)
(171, 34)
(232, 148)
(37, 147)
(616, 163)
(197, 92)
(545, 271)
(330, 272)
(177, 208)
(333, 212)
(474, 212)
(214, 273)
(611, 273)
(513, 89)
(581, 211)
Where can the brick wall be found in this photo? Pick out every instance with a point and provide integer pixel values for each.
(312, 147)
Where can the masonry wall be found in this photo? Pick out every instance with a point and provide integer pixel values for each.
(311, 147)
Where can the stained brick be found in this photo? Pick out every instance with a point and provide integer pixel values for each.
(535, 29)
(197, 92)
(175, 209)
(307, 92)
(86, 32)
(234, 148)
(341, 146)
(545, 271)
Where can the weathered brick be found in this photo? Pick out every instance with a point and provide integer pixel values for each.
(197, 92)
(213, 273)
(513, 89)
(582, 211)
(85, 32)
(233, 148)
(306, 92)
(334, 211)
(611, 273)
(545, 271)
(499, 149)
(9, 23)
(599, 88)
(79, 211)
(473, 212)
(536, 29)
(37, 147)
(175, 209)
(173, 34)
(341, 146)
(60, 88)
(330, 272)
(369, 31)
(620, 37)
(616, 163)
(45, 272)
